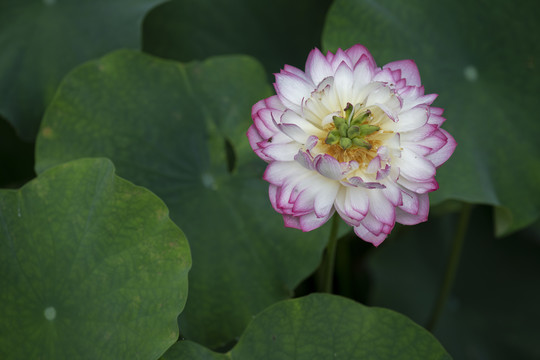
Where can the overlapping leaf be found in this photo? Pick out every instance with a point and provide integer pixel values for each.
(323, 326)
(180, 131)
(482, 58)
(276, 32)
(42, 40)
(91, 264)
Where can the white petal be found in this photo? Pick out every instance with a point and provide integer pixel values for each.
(292, 88)
(406, 218)
(413, 119)
(415, 167)
(381, 208)
(290, 117)
(368, 236)
(282, 152)
(294, 132)
(445, 152)
(328, 166)
(311, 221)
(317, 67)
(343, 83)
(409, 71)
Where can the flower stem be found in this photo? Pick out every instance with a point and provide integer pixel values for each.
(451, 266)
(328, 263)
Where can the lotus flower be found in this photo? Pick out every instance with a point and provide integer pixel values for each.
(345, 135)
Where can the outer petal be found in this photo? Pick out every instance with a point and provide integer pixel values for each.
(306, 222)
(413, 119)
(317, 195)
(440, 157)
(295, 132)
(265, 123)
(408, 69)
(292, 89)
(362, 75)
(340, 57)
(318, 67)
(281, 152)
(254, 138)
(298, 191)
(415, 167)
(359, 52)
(352, 204)
(366, 235)
(420, 215)
(381, 208)
(278, 172)
(418, 187)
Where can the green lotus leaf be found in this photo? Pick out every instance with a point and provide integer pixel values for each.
(236, 27)
(92, 267)
(322, 326)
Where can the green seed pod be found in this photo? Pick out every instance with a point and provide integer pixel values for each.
(343, 130)
(361, 118)
(345, 143)
(354, 131)
(368, 129)
(361, 143)
(333, 137)
(339, 121)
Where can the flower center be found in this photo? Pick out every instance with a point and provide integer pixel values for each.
(352, 129)
(354, 136)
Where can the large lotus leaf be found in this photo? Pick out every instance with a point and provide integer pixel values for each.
(492, 311)
(276, 32)
(482, 58)
(180, 131)
(92, 267)
(42, 40)
(322, 326)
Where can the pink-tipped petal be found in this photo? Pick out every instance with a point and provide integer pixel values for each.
(318, 67)
(408, 69)
(444, 153)
(340, 57)
(409, 218)
(358, 52)
(413, 119)
(294, 132)
(362, 75)
(306, 222)
(304, 159)
(311, 221)
(418, 186)
(296, 71)
(385, 76)
(328, 166)
(292, 88)
(381, 208)
(414, 166)
(368, 236)
(291, 117)
(281, 152)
